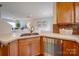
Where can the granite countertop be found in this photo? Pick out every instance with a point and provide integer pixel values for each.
(9, 37)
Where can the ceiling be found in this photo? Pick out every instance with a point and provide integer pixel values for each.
(22, 10)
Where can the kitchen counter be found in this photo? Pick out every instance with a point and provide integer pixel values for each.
(62, 36)
(9, 37)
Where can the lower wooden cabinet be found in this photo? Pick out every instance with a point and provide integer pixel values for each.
(76, 49)
(68, 48)
(0, 52)
(35, 46)
(48, 43)
(10, 49)
(24, 47)
(13, 48)
(29, 47)
(58, 49)
(52, 46)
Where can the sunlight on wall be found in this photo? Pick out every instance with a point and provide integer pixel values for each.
(13, 24)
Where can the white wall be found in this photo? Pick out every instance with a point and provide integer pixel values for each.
(4, 27)
(43, 24)
(49, 20)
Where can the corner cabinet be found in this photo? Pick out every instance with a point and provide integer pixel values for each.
(60, 47)
(70, 48)
(10, 49)
(22, 47)
(48, 46)
(52, 46)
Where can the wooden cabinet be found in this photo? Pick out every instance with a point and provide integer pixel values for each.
(13, 48)
(24, 47)
(67, 16)
(77, 12)
(76, 49)
(29, 46)
(76, 31)
(66, 48)
(65, 12)
(35, 46)
(48, 43)
(70, 48)
(10, 49)
(0, 50)
(58, 49)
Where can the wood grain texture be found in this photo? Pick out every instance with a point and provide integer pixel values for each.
(13, 48)
(24, 49)
(65, 12)
(35, 46)
(69, 48)
(29, 47)
(76, 12)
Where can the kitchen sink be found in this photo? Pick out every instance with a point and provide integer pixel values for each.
(29, 34)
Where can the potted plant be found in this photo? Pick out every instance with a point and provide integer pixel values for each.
(17, 24)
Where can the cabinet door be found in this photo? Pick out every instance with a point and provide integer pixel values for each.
(58, 47)
(35, 46)
(13, 48)
(0, 50)
(48, 46)
(76, 49)
(24, 47)
(68, 48)
(65, 12)
(77, 12)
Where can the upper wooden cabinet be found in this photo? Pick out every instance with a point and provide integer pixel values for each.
(65, 12)
(77, 12)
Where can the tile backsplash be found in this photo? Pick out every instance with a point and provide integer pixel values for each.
(66, 31)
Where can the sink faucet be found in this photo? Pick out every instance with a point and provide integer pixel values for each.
(31, 29)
